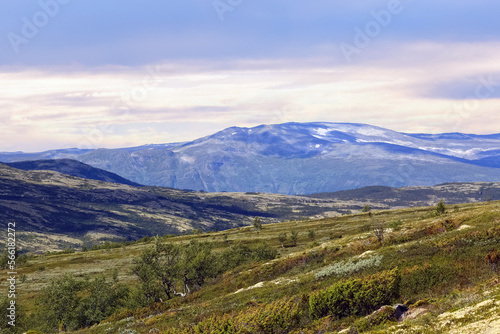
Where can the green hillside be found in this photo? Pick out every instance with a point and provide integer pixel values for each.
(329, 278)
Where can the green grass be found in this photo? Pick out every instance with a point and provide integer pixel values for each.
(444, 267)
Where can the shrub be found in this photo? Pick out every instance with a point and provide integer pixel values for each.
(382, 316)
(277, 317)
(356, 296)
(68, 303)
(492, 258)
(282, 238)
(216, 325)
(280, 316)
(239, 254)
(440, 208)
(263, 252)
(443, 226)
(378, 230)
(436, 228)
(396, 225)
(20, 322)
(294, 236)
(422, 278)
(493, 232)
(257, 223)
(345, 268)
(359, 246)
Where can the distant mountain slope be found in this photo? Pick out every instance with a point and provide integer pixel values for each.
(54, 210)
(73, 168)
(451, 193)
(303, 158)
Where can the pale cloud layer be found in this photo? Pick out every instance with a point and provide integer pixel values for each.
(115, 73)
(171, 102)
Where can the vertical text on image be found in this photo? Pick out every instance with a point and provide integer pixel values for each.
(11, 265)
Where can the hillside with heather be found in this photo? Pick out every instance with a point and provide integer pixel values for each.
(418, 270)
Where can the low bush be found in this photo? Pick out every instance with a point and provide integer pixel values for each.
(423, 278)
(396, 225)
(356, 296)
(383, 316)
(68, 303)
(239, 254)
(278, 317)
(344, 268)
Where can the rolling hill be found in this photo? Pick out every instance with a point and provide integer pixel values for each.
(73, 168)
(451, 193)
(54, 210)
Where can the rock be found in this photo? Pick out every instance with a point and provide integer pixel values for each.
(414, 313)
(352, 330)
(400, 311)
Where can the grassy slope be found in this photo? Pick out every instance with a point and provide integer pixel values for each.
(458, 276)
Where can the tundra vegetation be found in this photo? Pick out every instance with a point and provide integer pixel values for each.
(285, 279)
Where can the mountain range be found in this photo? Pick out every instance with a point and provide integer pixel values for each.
(298, 158)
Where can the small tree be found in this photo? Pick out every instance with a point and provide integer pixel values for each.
(197, 264)
(378, 230)
(294, 236)
(257, 223)
(311, 234)
(441, 208)
(102, 299)
(157, 268)
(282, 238)
(59, 301)
(366, 208)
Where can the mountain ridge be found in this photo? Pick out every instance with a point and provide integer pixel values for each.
(72, 168)
(301, 158)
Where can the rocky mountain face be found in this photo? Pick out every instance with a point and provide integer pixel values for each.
(299, 158)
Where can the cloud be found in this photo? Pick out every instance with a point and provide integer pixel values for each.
(411, 90)
(482, 86)
(132, 33)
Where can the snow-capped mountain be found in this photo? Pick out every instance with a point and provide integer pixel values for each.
(300, 158)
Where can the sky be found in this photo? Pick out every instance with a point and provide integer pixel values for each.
(93, 73)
